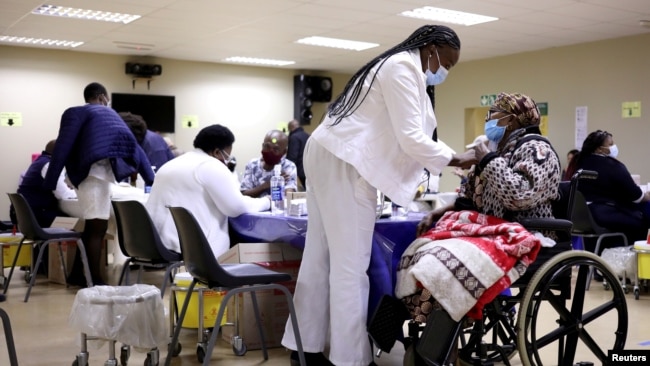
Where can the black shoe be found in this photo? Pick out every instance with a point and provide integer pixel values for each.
(77, 281)
(312, 359)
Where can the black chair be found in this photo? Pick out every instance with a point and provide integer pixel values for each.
(236, 278)
(34, 234)
(584, 225)
(9, 335)
(140, 242)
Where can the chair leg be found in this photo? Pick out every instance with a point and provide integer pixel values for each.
(217, 324)
(179, 323)
(13, 267)
(32, 280)
(124, 274)
(9, 337)
(62, 264)
(84, 261)
(260, 326)
(168, 276)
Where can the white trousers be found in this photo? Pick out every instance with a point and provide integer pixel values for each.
(332, 288)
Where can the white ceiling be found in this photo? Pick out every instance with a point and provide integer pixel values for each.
(211, 30)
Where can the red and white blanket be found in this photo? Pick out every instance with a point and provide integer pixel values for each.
(465, 261)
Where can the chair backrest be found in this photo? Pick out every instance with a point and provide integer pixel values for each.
(197, 253)
(578, 210)
(27, 223)
(138, 236)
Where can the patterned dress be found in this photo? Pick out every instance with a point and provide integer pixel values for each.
(518, 181)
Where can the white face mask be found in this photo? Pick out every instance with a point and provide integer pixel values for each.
(613, 151)
(440, 75)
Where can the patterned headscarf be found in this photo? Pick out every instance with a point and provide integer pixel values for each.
(522, 106)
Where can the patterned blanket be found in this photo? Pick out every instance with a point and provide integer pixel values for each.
(465, 261)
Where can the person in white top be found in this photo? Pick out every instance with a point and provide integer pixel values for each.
(377, 135)
(200, 181)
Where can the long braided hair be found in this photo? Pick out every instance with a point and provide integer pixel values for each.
(346, 103)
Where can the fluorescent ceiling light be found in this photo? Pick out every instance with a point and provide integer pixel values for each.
(447, 16)
(337, 43)
(61, 11)
(40, 41)
(258, 61)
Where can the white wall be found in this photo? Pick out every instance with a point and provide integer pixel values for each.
(599, 75)
(41, 84)
(251, 100)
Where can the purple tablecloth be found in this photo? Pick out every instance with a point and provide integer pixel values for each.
(390, 239)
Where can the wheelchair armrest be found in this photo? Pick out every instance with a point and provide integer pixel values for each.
(546, 224)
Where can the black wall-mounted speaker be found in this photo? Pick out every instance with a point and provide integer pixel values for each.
(306, 91)
(146, 70)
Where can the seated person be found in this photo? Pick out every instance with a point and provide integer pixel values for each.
(44, 202)
(569, 157)
(257, 175)
(517, 177)
(200, 181)
(154, 145)
(615, 201)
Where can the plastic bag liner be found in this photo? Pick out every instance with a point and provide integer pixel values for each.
(622, 261)
(133, 315)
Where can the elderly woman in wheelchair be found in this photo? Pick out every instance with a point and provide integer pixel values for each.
(474, 284)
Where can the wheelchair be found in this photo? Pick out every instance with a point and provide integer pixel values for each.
(543, 316)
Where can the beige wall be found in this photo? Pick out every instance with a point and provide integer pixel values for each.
(42, 83)
(599, 75)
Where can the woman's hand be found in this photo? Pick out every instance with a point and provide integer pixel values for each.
(427, 222)
(464, 160)
(480, 151)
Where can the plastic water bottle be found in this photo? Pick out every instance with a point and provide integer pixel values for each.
(277, 191)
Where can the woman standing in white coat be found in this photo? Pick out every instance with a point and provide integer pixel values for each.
(376, 136)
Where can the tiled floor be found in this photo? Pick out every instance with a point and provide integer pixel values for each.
(43, 336)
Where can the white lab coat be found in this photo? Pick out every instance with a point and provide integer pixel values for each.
(384, 145)
(204, 186)
(388, 138)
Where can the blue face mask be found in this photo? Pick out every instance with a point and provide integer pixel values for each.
(494, 132)
(440, 75)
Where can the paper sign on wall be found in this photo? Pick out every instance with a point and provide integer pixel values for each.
(190, 121)
(631, 110)
(11, 119)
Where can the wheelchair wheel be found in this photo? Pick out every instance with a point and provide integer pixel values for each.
(569, 338)
(493, 338)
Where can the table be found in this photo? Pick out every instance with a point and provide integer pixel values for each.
(391, 237)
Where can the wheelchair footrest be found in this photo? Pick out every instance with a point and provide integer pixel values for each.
(438, 338)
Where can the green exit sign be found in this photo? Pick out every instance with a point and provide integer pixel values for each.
(488, 99)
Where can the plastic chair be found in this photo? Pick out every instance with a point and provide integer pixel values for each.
(584, 225)
(236, 278)
(9, 335)
(34, 234)
(140, 242)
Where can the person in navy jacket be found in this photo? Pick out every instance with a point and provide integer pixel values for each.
(97, 149)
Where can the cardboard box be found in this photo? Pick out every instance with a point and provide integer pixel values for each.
(272, 304)
(9, 247)
(54, 269)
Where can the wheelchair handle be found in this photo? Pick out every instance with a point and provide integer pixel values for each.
(584, 174)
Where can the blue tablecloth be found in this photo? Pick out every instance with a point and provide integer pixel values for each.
(391, 237)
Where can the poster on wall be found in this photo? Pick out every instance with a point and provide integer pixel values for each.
(543, 122)
(580, 126)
